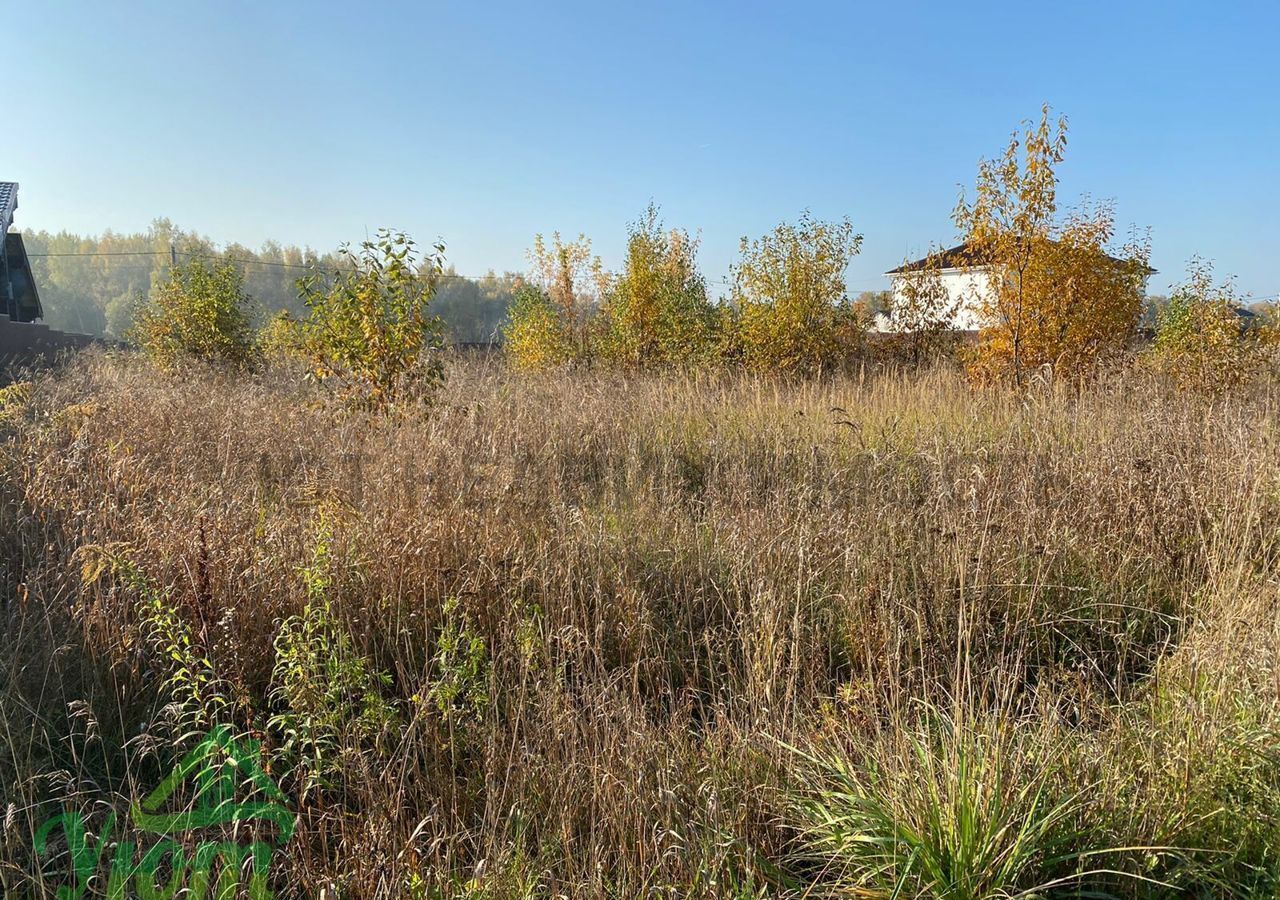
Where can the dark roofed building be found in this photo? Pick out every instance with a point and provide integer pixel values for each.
(18, 294)
(965, 275)
(963, 256)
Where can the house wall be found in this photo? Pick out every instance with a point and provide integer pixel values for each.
(966, 288)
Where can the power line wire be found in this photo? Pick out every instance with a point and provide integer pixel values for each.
(312, 266)
(262, 262)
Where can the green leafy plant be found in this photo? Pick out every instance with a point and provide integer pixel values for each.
(200, 312)
(330, 694)
(460, 688)
(199, 697)
(369, 331)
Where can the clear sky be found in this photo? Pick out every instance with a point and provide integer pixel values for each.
(484, 123)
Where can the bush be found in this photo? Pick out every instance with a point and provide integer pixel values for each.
(657, 312)
(790, 310)
(201, 312)
(369, 331)
(536, 335)
(282, 337)
(1200, 339)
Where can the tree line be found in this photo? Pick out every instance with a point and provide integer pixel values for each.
(97, 284)
(1059, 297)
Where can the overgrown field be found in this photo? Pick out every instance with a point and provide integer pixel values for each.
(599, 635)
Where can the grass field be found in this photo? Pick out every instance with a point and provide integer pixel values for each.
(589, 635)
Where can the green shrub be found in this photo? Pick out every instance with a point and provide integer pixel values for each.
(332, 705)
(201, 312)
(536, 335)
(198, 697)
(369, 332)
(657, 312)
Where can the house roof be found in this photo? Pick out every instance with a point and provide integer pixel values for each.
(8, 203)
(962, 256)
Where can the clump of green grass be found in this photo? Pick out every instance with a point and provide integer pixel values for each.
(948, 810)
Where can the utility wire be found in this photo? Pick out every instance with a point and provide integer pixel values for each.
(724, 282)
(236, 259)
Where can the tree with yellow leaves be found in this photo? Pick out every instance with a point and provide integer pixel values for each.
(1056, 296)
(536, 335)
(549, 322)
(791, 312)
(1202, 341)
(657, 311)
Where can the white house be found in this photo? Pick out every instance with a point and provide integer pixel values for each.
(966, 278)
(966, 281)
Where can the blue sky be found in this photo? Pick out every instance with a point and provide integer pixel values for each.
(483, 124)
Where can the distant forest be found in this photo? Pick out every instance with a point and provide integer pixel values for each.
(93, 284)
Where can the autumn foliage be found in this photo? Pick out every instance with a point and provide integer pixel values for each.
(788, 310)
(1057, 297)
(200, 312)
(657, 312)
(1202, 341)
(537, 335)
(369, 332)
(549, 322)
(791, 311)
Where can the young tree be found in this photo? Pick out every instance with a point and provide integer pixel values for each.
(549, 323)
(368, 329)
(200, 312)
(573, 278)
(1200, 340)
(791, 311)
(657, 311)
(1056, 297)
(535, 336)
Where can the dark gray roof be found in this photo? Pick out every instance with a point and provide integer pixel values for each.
(8, 203)
(961, 256)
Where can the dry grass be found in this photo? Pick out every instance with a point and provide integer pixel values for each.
(688, 590)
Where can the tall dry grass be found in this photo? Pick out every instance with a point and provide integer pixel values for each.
(660, 636)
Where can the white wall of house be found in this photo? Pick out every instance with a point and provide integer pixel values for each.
(966, 288)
